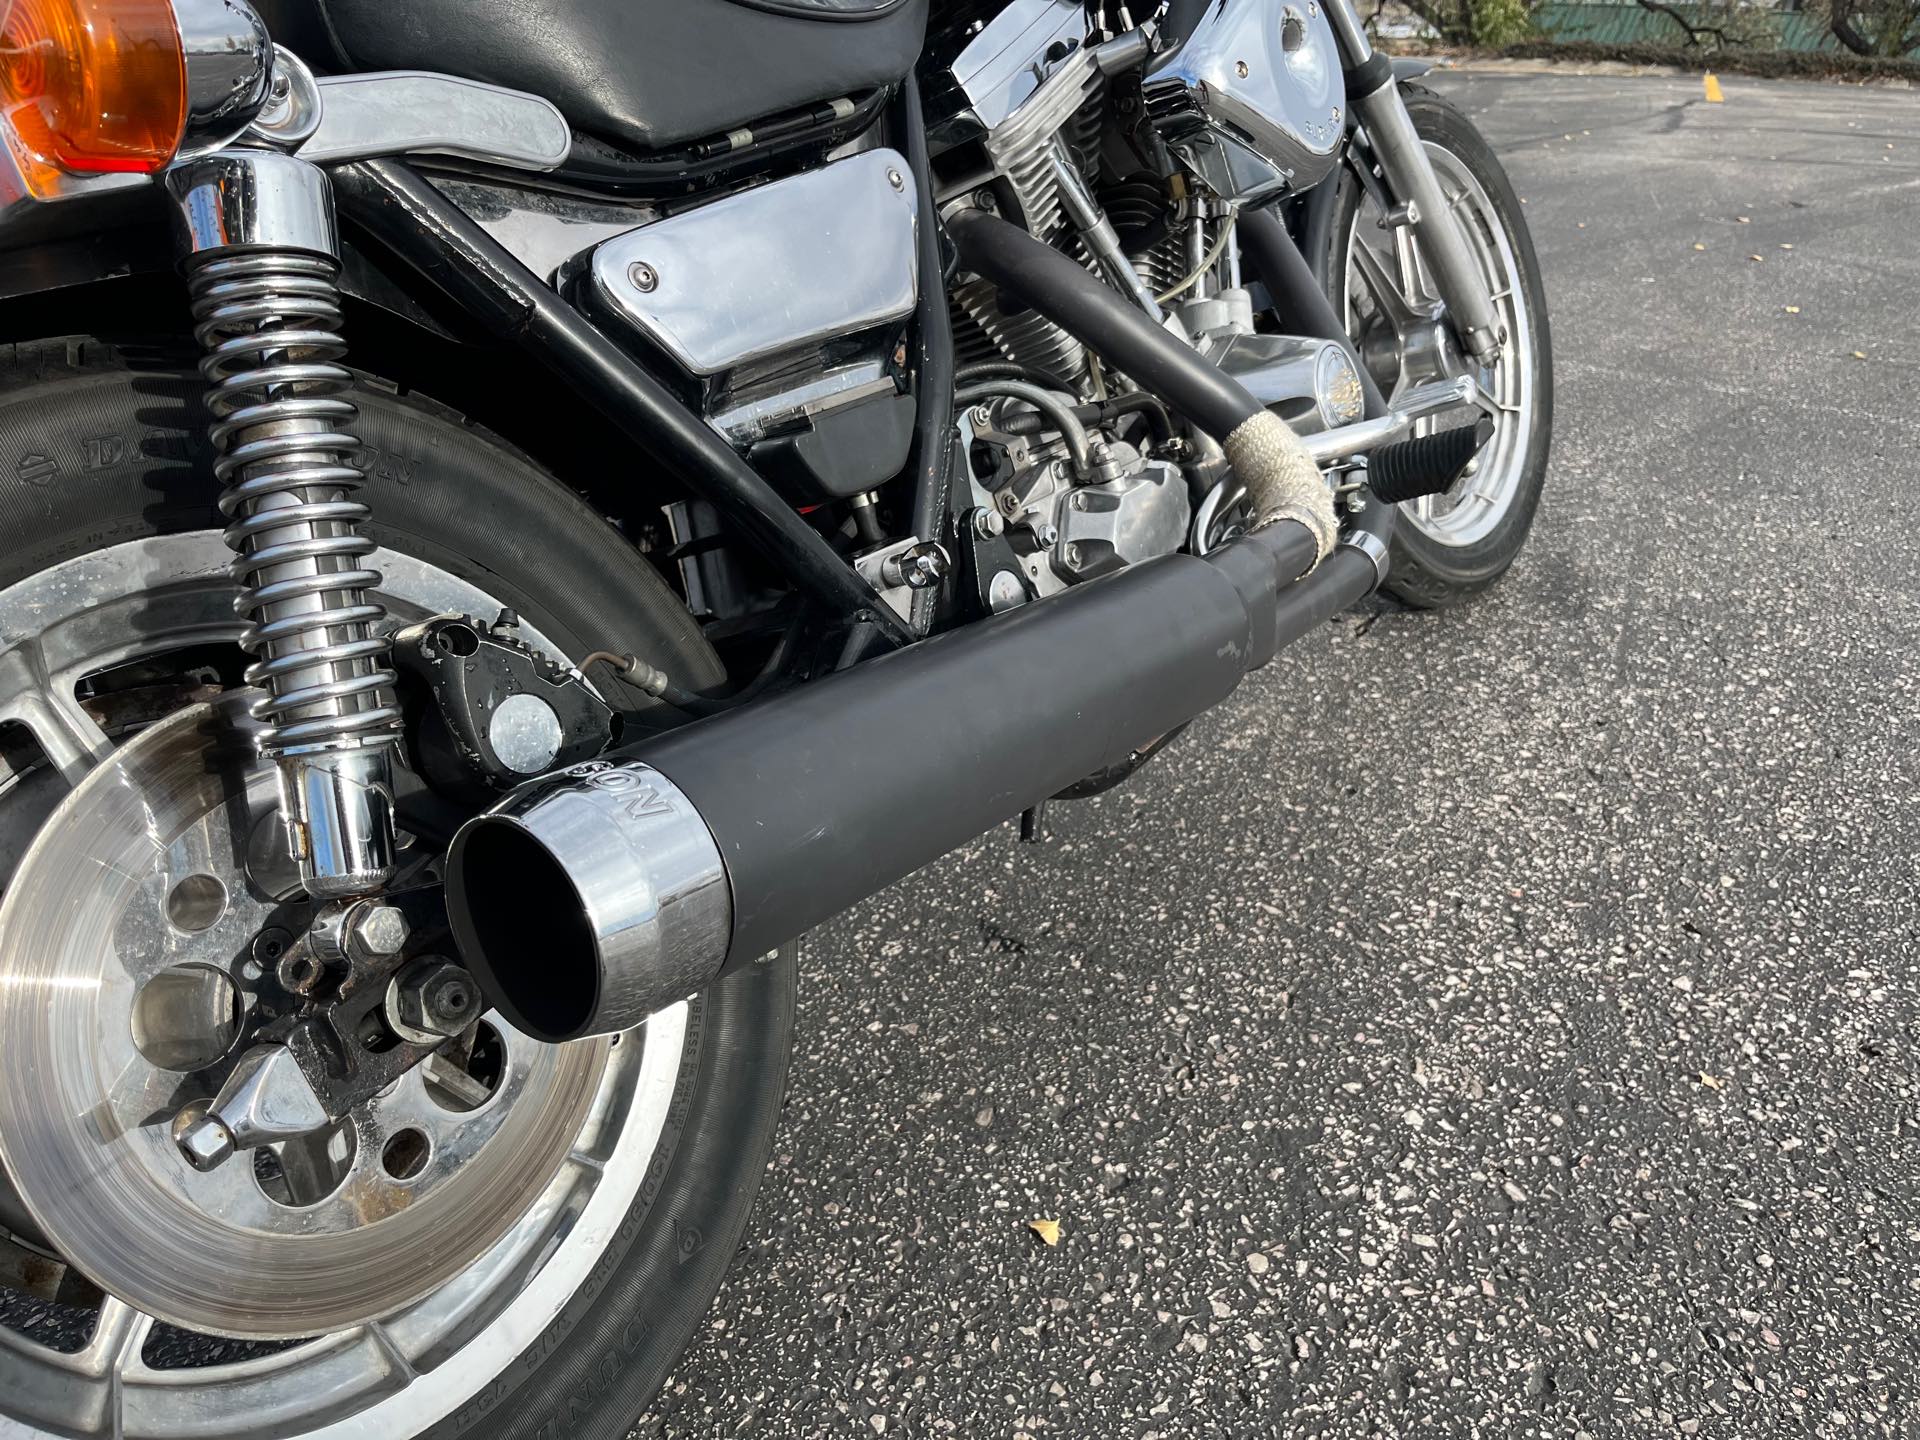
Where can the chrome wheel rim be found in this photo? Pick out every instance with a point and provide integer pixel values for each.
(1390, 296)
(394, 1375)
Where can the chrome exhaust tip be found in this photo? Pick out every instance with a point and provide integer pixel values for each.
(589, 899)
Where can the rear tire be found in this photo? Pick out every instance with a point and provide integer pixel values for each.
(99, 453)
(1427, 570)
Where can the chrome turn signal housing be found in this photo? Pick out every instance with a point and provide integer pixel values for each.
(124, 87)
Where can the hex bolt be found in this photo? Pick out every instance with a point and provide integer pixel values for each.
(377, 930)
(986, 523)
(1073, 556)
(924, 565)
(203, 1140)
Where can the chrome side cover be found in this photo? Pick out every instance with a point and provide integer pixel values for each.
(773, 269)
(1254, 99)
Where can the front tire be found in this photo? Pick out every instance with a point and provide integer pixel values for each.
(116, 456)
(1449, 548)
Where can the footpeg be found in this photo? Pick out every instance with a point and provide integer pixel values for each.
(1428, 465)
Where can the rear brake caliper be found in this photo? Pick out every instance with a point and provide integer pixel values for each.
(491, 711)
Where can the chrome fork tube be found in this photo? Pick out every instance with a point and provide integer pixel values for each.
(258, 244)
(1375, 96)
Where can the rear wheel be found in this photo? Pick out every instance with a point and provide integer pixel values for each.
(115, 611)
(1451, 546)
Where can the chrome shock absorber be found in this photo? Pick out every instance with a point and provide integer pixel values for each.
(260, 252)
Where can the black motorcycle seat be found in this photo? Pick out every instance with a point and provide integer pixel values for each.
(650, 73)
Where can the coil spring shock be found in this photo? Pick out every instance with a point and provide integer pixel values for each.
(268, 322)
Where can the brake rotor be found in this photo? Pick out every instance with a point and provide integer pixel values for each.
(127, 971)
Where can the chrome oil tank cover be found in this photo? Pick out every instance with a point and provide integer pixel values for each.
(773, 269)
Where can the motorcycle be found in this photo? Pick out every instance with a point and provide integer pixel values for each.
(513, 515)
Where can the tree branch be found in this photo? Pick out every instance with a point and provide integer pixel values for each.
(1694, 32)
(1451, 21)
(1840, 22)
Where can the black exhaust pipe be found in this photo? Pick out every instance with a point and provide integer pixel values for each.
(591, 898)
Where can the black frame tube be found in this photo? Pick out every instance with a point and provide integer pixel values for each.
(440, 241)
(932, 458)
(1099, 316)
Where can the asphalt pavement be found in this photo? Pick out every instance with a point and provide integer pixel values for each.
(1498, 1022)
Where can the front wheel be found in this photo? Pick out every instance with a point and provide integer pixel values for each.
(579, 1202)
(1451, 546)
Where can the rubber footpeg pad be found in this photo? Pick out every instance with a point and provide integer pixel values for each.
(1428, 465)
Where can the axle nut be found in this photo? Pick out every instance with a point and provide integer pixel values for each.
(432, 1000)
(204, 1141)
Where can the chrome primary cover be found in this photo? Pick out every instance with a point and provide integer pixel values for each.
(126, 938)
(1254, 99)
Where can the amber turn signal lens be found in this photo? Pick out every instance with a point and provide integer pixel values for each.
(92, 86)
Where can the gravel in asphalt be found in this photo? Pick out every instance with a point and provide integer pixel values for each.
(1489, 1023)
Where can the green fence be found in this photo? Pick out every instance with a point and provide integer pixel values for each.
(1624, 24)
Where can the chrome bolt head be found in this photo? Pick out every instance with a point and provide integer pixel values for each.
(378, 930)
(927, 569)
(644, 276)
(986, 523)
(204, 1141)
(896, 179)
